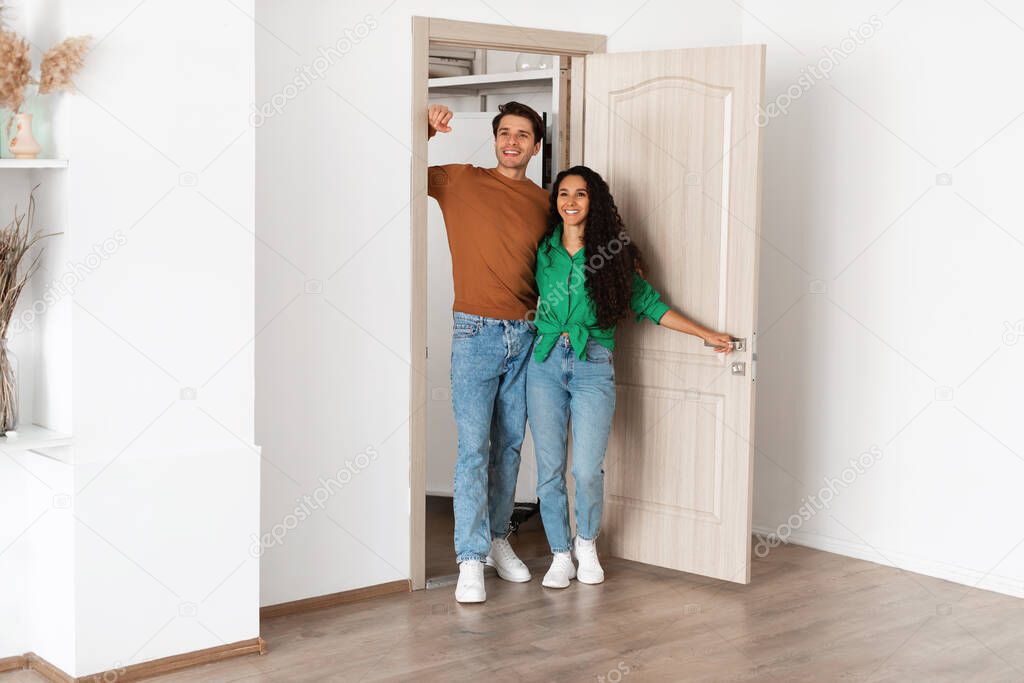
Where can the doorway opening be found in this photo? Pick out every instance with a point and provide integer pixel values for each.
(471, 68)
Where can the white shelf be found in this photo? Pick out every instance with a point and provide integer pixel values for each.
(33, 163)
(492, 80)
(33, 437)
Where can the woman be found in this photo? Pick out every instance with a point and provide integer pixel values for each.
(588, 280)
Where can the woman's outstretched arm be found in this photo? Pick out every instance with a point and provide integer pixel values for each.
(648, 304)
(675, 320)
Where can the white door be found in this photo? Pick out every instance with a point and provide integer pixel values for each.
(471, 141)
(675, 135)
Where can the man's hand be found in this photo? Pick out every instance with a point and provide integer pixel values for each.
(438, 117)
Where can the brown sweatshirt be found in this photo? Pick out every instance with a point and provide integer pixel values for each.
(494, 225)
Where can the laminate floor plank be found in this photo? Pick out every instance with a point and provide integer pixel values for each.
(807, 616)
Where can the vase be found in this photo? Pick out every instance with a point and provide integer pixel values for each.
(23, 144)
(8, 389)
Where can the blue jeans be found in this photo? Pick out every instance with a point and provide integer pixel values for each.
(489, 360)
(561, 387)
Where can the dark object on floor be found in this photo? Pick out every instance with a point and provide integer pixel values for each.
(520, 513)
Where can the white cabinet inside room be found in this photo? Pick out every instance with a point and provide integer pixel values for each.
(40, 333)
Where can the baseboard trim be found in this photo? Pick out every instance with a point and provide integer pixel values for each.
(13, 663)
(935, 569)
(141, 671)
(334, 599)
(165, 665)
(49, 671)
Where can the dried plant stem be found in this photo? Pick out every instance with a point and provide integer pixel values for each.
(16, 240)
(8, 392)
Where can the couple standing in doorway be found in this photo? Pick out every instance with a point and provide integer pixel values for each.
(541, 281)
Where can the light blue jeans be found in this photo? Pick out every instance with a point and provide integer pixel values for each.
(489, 360)
(561, 387)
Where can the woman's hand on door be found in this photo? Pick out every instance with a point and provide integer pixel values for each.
(721, 341)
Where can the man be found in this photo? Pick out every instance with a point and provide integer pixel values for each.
(494, 217)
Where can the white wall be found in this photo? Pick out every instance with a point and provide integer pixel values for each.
(145, 539)
(884, 295)
(167, 475)
(864, 363)
(332, 201)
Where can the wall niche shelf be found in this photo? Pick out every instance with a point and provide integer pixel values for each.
(32, 437)
(492, 81)
(33, 163)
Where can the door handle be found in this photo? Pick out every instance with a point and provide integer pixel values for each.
(737, 344)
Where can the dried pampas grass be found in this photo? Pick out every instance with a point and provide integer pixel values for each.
(61, 63)
(14, 70)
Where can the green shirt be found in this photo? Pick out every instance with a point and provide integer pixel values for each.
(565, 305)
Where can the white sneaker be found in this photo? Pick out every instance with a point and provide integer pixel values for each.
(508, 564)
(471, 582)
(590, 568)
(562, 571)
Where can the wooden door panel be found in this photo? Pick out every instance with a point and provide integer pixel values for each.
(681, 434)
(674, 133)
(665, 179)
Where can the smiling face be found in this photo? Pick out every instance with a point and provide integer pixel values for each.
(573, 200)
(514, 142)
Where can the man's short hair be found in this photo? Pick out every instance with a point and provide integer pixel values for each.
(520, 109)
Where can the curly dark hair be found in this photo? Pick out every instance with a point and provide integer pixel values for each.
(612, 258)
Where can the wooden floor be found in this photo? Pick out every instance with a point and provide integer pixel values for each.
(807, 616)
(529, 540)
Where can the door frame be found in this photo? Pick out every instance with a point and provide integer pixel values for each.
(426, 30)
